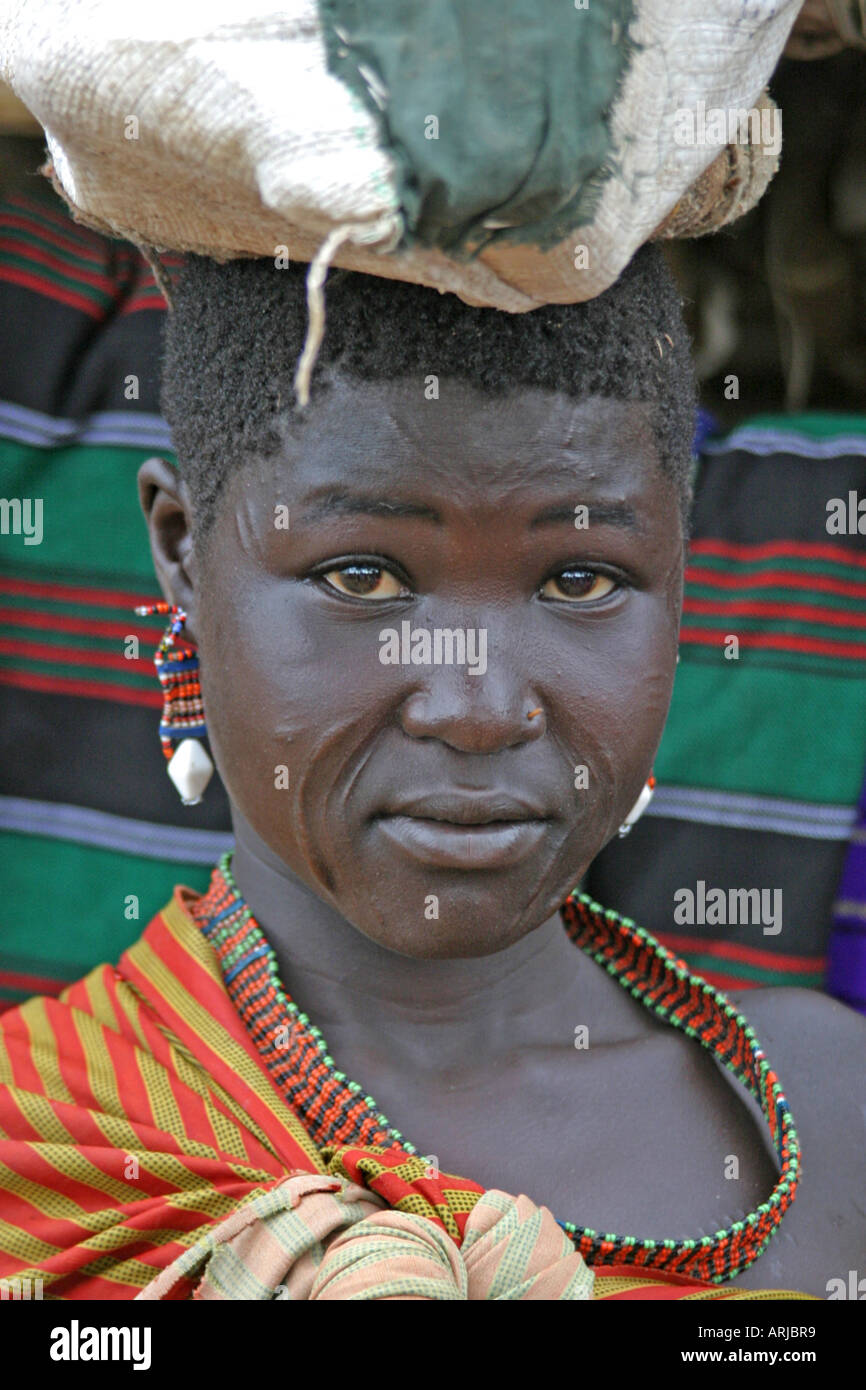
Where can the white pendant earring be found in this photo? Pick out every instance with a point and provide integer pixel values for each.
(190, 768)
(182, 728)
(639, 807)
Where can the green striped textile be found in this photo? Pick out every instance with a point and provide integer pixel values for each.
(79, 898)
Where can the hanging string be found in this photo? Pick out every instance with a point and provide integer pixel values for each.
(388, 226)
(160, 274)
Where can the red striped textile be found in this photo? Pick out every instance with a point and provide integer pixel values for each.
(136, 1114)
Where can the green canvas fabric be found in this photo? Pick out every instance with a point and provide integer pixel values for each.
(522, 95)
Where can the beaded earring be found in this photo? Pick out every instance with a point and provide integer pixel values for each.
(177, 666)
(639, 807)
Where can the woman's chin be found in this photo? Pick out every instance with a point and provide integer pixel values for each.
(450, 921)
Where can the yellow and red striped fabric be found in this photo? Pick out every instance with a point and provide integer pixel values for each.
(135, 1114)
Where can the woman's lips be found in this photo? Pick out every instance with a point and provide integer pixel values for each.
(449, 845)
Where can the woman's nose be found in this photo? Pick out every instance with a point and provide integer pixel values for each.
(474, 714)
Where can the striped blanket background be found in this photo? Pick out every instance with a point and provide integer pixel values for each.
(91, 839)
(761, 763)
(763, 758)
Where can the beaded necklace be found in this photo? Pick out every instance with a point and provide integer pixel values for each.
(335, 1111)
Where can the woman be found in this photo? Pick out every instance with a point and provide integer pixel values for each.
(437, 617)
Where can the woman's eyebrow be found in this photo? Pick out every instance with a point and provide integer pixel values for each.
(600, 514)
(342, 503)
(337, 503)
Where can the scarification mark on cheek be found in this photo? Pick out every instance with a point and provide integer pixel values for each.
(331, 768)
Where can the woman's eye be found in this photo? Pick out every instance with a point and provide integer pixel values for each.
(365, 580)
(578, 585)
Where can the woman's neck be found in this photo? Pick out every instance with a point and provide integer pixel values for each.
(477, 1007)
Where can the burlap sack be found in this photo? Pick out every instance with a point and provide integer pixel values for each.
(216, 126)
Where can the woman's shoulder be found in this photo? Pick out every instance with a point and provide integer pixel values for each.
(805, 1020)
(816, 1046)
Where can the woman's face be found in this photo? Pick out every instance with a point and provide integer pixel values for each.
(414, 794)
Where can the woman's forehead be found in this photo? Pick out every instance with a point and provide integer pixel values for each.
(385, 437)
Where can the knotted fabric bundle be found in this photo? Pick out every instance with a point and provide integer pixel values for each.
(320, 1238)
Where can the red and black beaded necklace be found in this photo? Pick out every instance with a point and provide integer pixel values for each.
(335, 1110)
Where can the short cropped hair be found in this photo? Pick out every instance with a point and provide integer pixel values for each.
(237, 329)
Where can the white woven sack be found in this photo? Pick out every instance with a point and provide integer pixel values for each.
(214, 126)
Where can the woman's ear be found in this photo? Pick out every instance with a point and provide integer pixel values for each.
(165, 502)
